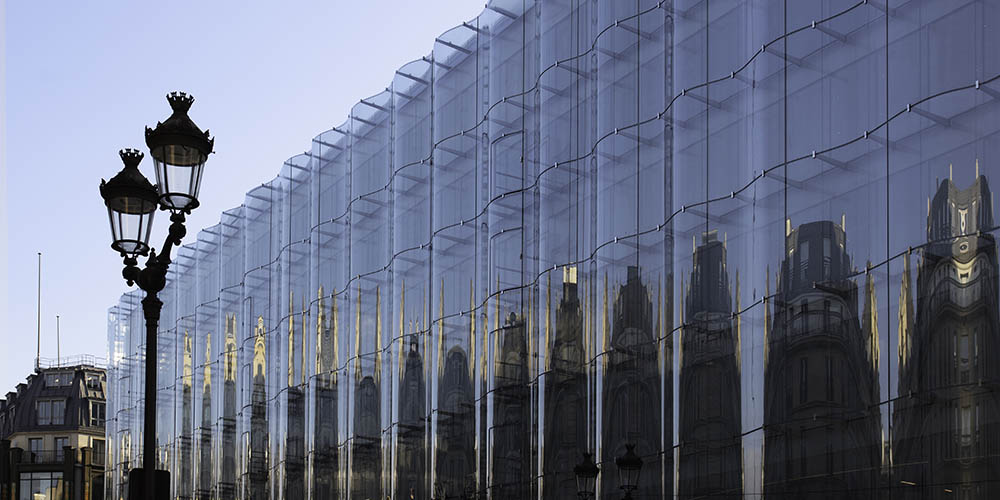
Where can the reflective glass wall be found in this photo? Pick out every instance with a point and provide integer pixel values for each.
(752, 241)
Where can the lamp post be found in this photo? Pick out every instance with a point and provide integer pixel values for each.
(179, 149)
(629, 466)
(586, 477)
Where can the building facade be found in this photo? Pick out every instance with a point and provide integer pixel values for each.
(946, 418)
(52, 437)
(485, 271)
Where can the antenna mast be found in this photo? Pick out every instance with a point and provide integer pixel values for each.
(58, 352)
(38, 323)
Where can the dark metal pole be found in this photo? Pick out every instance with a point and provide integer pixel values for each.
(151, 306)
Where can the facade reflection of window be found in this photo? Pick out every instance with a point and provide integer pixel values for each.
(711, 456)
(814, 443)
(565, 395)
(945, 424)
(632, 392)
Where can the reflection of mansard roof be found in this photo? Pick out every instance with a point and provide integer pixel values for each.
(816, 253)
(955, 212)
(709, 289)
(633, 312)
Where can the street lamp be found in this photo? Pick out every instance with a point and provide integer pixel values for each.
(629, 466)
(586, 476)
(179, 150)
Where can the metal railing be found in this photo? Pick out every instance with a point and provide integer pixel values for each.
(46, 456)
(75, 360)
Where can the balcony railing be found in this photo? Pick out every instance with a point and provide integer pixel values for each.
(46, 456)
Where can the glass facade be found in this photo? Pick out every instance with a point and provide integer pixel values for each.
(690, 227)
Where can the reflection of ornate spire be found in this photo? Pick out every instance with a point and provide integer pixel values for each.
(187, 370)
(441, 331)
(259, 353)
(207, 374)
(229, 370)
(905, 316)
(320, 328)
(335, 326)
(472, 330)
(870, 321)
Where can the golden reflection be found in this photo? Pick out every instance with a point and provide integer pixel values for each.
(402, 331)
(229, 370)
(207, 373)
(320, 327)
(259, 349)
(441, 331)
(905, 316)
(187, 369)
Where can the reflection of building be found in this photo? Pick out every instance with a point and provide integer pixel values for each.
(411, 464)
(565, 396)
(711, 455)
(295, 446)
(366, 452)
(511, 448)
(632, 388)
(821, 420)
(52, 434)
(946, 432)
(456, 458)
(325, 451)
(185, 452)
(257, 480)
(227, 480)
(205, 464)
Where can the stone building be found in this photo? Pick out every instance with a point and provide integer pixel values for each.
(52, 443)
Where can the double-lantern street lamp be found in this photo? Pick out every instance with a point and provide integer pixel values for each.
(629, 465)
(179, 149)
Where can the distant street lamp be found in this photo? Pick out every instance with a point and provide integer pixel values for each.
(629, 466)
(586, 477)
(179, 150)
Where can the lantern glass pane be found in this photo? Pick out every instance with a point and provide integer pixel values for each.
(130, 229)
(178, 175)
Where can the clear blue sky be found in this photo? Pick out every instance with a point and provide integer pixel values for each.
(82, 79)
